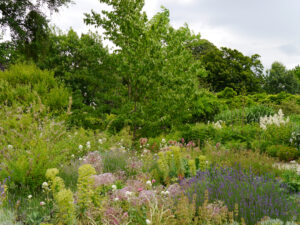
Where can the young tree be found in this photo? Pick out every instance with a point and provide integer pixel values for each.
(152, 58)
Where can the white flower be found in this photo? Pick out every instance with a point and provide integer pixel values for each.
(128, 193)
(116, 199)
(165, 193)
(9, 146)
(42, 203)
(88, 145)
(29, 196)
(45, 185)
(72, 155)
(148, 221)
(80, 159)
(218, 124)
(80, 147)
(149, 183)
(100, 141)
(163, 140)
(114, 187)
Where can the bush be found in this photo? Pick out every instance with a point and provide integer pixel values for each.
(31, 143)
(256, 196)
(284, 153)
(292, 179)
(206, 106)
(227, 93)
(278, 135)
(24, 84)
(246, 133)
(198, 132)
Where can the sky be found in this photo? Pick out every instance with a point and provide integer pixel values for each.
(269, 28)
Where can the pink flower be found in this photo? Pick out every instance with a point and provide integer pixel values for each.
(153, 181)
(140, 189)
(42, 203)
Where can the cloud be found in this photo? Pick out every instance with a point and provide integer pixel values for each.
(257, 26)
(289, 49)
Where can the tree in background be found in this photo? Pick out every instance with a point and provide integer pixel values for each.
(85, 66)
(229, 68)
(158, 71)
(279, 79)
(27, 23)
(296, 72)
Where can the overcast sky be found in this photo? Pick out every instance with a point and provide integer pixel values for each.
(269, 28)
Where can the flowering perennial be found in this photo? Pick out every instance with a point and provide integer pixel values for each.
(277, 119)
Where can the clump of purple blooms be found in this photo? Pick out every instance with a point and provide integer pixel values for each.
(256, 196)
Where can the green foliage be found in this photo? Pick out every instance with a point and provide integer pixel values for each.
(172, 165)
(227, 93)
(32, 143)
(230, 68)
(278, 135)
(114, 161)
(205, 106)
(198, 132)
(279, 79)
(24, 84)
(237, 134)
(7, 217)
(246, 115)
(65, 203)
(292, 179)
(28, 24)
(85, 187)
(87, 68)
(202, 163)
(254, 113)
(284, 153)
(63, 198)
(159, 73)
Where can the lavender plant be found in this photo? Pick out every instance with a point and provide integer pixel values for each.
(256, 196)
